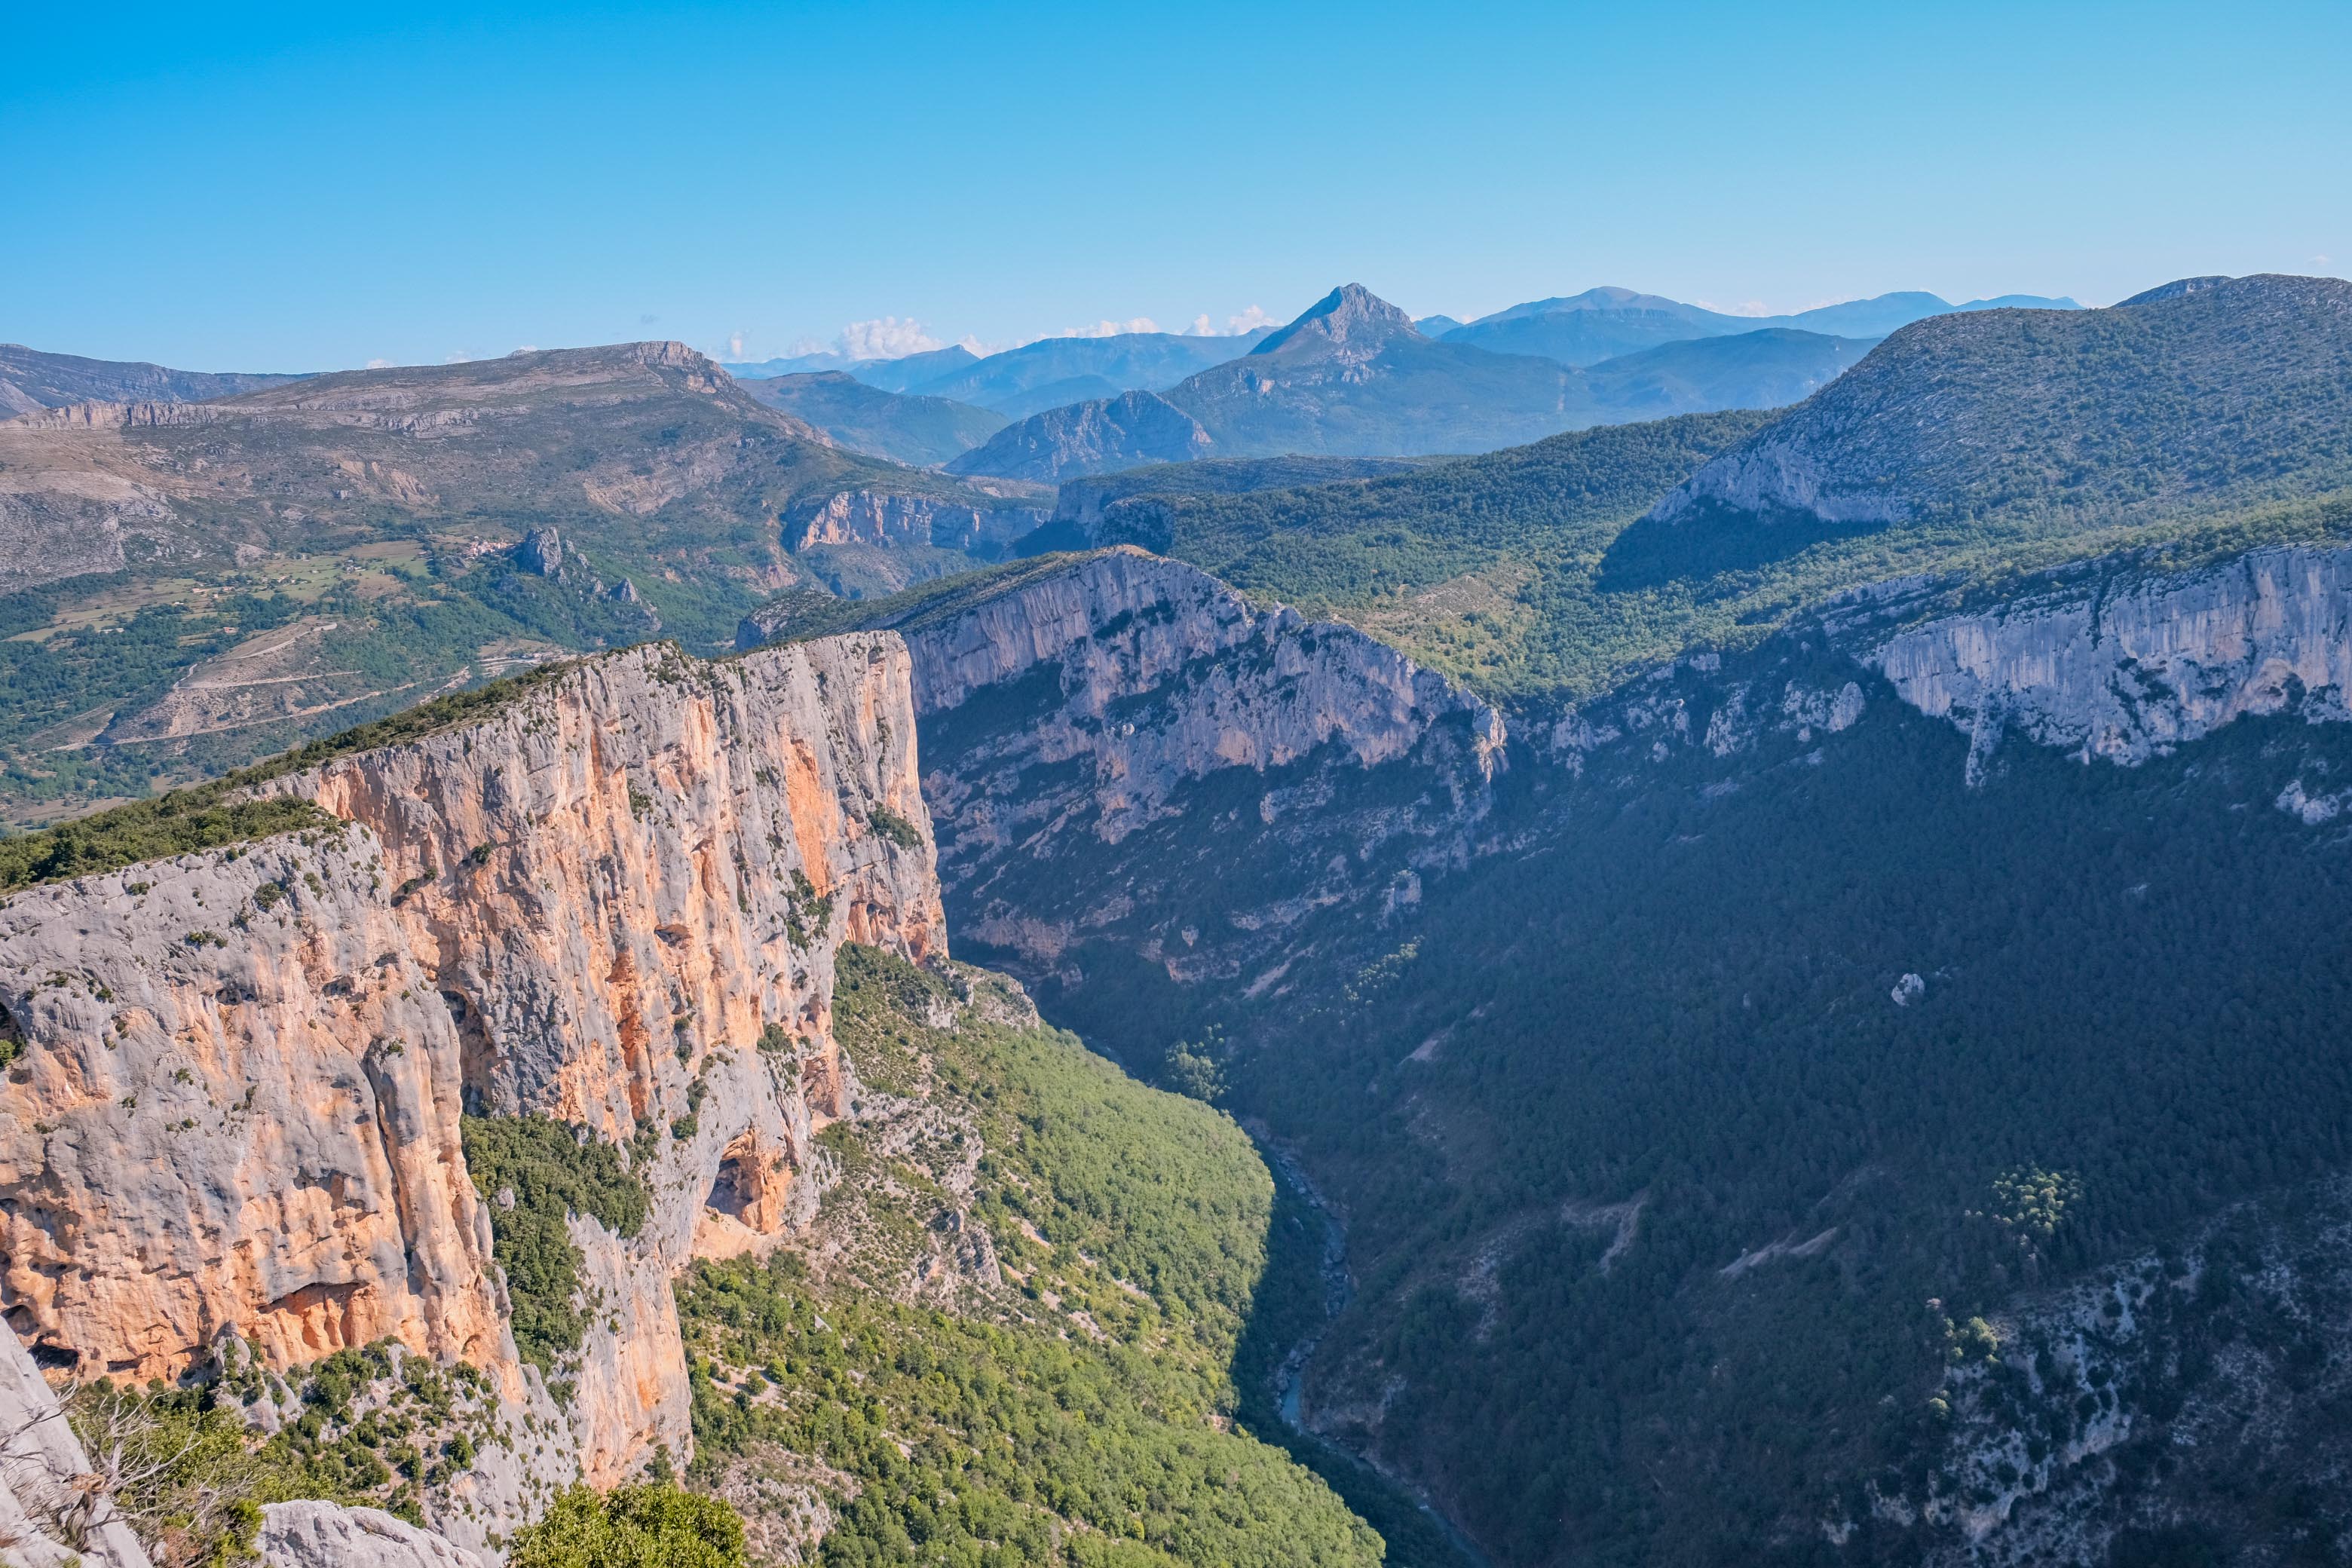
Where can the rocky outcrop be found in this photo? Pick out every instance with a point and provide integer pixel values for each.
(1122, 432)
(613, 899)
(323, 1535)
(889, 519)
(51, 1515)
(2130, 669)
(540, 553)
(1081, 716)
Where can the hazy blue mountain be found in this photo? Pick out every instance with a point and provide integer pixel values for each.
(906, 375)
(889, 375)
(2023, 303)
(1767, 369)
(1055, 371)
(1110, 433)
(901, 426)
(1598, 324)
(30, 379)
(1602, 323)
(1434, 326)
(1351, 377)
(792, 365)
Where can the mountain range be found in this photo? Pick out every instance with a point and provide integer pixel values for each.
(903, 427)
(1602, 323)
(1353, 375)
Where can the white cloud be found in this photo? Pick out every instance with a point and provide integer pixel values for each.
(378, 364)
(886, 338)
(1109, 329)
(2322, 260)
(1745, 307)
(735, 345)
(523, 349)
(1249, 320)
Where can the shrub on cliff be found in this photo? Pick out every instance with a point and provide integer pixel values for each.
(534, 1171)
(653, 1525)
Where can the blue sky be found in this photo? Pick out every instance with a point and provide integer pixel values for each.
(258, 188)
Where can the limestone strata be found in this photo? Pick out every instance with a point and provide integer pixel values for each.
(237, 1107)
(2130, 670)
(888, 519)
(1230, 686)
(1077, 717)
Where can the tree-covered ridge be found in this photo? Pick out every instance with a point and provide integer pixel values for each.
(2236, 389)
(1059, 1393)
(1534, 576)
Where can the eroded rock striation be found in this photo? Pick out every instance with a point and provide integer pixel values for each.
(1121, 745)
(889, 519)
(2126, 673)
(613, 899)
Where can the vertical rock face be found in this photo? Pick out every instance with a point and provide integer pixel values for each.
(614, 899)
(876, 517)
(1122, 746)
(2129, 673)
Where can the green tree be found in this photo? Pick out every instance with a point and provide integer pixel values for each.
(651, 1525)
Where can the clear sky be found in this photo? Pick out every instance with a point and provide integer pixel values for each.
(226, 188)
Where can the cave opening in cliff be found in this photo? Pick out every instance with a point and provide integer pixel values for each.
(733, 1193)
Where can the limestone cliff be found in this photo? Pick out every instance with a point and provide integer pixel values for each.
(2126, 671)
(884, 517)
(614, 899)
(1096, 725)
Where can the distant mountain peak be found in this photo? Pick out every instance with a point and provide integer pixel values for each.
(1351, 316)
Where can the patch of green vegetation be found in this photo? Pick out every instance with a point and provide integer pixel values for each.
(367, 1426)
(651, 1524)
(1080, 1415)
(1698, 1023)
(183, 822)
(549, 1169)
(889, 824)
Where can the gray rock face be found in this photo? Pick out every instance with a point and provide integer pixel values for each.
(541, 552)
(2132, 672)
(325, 1535)
(884, 517)
(1077, 718)
(612, 899)
(49, 1516)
